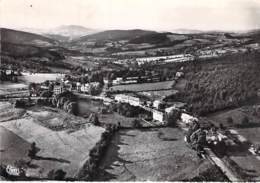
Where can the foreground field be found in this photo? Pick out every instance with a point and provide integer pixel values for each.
(65, 149)
(165, 85)
(154, 155)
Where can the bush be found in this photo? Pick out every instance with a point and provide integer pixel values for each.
(230, 120)
(136, 123)
(56, 175)
(19, 104)
(245, 121)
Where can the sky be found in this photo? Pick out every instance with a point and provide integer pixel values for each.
(160, 15)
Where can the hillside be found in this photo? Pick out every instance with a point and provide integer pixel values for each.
(158, 38)
(129, 43)
(115, 35)
(224, 82)
(28, 50)
(25, 38)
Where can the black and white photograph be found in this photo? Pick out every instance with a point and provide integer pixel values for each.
(130, 90)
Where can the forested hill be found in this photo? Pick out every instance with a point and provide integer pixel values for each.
(223, 82)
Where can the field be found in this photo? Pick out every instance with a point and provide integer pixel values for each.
(66, 149)
(39, 77)
(165, 85)
(249, 165)
(158, 95)
(81, 61)
(153, 155)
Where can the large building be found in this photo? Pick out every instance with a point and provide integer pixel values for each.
(135, 101)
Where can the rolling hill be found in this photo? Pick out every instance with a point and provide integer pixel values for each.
(115, 35)
(27, 49)
(159, 38)
(25, 38)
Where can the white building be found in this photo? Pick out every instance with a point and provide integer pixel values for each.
(57, 89)
(170, 109)
(117, 81)
(78, 86)
(85, 88)
(179, 74)
(106, 81)
(158, 116)
(186, 118)
(158, 104)
(128, 99)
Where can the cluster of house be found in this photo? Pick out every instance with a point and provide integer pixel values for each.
(209, 52)
(157, 59)
(61, 86)
(132, 80)
(79, 87)
(165, 59)
(9, 74)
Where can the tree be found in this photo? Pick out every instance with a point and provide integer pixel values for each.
(94, 119)
(33, 151)
(59, 175)
(230, 120)
(221, 126)
(172, 117)
(245, 121)
(136, 123)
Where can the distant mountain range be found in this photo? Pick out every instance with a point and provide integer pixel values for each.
(71, 31)
(62, 33)
(58, 42)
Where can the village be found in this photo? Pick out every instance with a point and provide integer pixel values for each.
(208, 141)
(130, 91)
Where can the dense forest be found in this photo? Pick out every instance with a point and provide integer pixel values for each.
(223, 82)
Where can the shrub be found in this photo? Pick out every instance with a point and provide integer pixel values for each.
(230, 120)
(245, 121)
(59, 175)
(136, 123)
(19, 104)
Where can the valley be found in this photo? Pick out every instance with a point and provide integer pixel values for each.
(129, 105)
